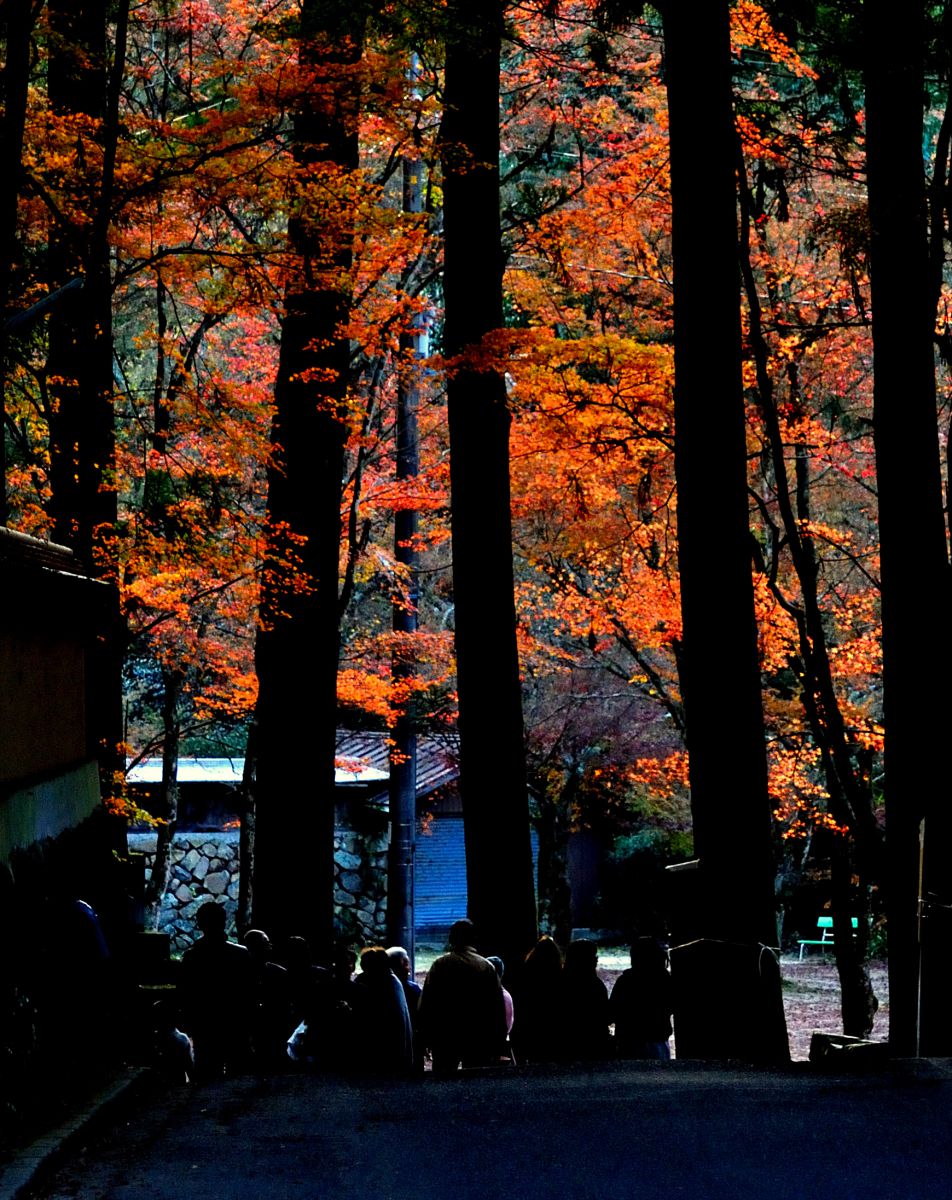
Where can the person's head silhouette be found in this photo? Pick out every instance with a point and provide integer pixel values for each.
(210, 919)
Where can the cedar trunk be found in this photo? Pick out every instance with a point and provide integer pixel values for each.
(718, 662)
(492, 754)
(82, 439)
(914, 554)
(83, 507)
(298, 639)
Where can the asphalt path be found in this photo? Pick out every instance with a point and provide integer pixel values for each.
(651, 1131)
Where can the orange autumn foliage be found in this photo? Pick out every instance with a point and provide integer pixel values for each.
(205, 188)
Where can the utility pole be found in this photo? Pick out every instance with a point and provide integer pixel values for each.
(414, 347)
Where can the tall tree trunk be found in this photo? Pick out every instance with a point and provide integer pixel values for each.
(913, 550)
(82, 439)
(492, 753)
(403, 755)
(18, 24)
(298, 638)
(719, 664)
(82, 79)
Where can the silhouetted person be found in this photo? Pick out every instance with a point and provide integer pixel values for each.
(217, 986)
(324, 1037)
(507, 1005)
(305, 977)
(74, 986)
(640, 1004)
(584, 1005)
(271, 1020)
(341, 1019)
(461, 1010)
(174, 1054)
(537, 1032)
(383, 1036)
(400, 965)
(343, 965)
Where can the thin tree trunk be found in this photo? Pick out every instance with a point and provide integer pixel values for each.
(858, 1003)
(246, 837)
(492, 753)
(165, 831)
(552, 826)
(848, 785)
(719, 664)
(913, 549)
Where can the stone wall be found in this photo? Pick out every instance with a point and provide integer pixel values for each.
(205, 867)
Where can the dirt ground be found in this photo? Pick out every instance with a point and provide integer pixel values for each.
(811, 993)
(811, 997)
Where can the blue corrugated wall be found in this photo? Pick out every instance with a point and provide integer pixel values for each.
(440, 873)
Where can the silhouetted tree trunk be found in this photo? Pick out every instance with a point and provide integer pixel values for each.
(246, 837)
(914, 554)
(79, 366)
(84, 78)
(168, 798)
(17, 16)
(298, 639)
(555, 795)
(492, 754)
(858, 1003)
(718, 662)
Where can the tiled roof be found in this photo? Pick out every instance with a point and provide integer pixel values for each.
(437, 758)
(230, 770)
(361, 758)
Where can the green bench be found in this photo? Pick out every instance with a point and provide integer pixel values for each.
(825, 925)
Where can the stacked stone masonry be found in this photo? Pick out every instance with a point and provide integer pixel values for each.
(205, 867)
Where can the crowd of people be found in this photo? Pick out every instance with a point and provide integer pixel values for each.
(243, 1006)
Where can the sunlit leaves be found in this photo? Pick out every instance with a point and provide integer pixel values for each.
(206, 187)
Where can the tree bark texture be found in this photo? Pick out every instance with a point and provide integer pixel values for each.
(719, 664)
(298, 640)
(913, 549)
(492, 754)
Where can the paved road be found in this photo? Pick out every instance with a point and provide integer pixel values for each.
(649, 1131)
